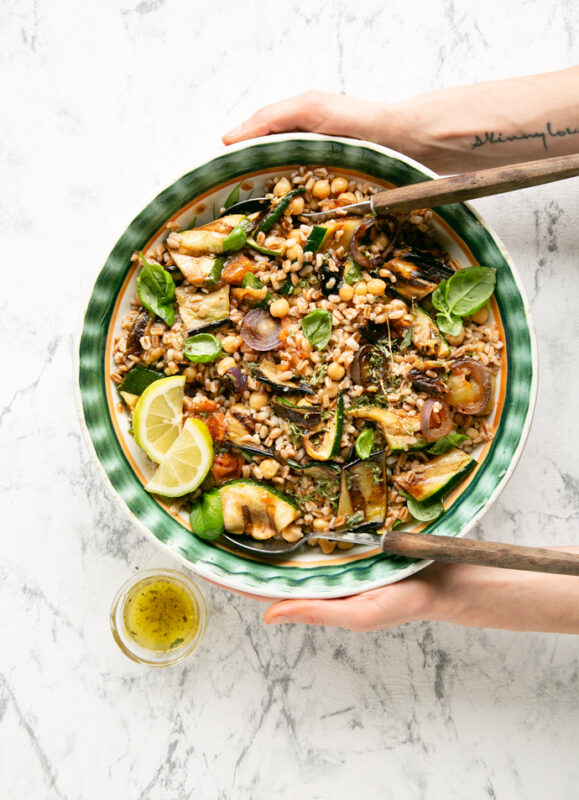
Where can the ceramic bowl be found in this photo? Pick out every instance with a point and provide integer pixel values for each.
(200, 193)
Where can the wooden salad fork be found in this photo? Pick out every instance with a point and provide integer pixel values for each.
(427, 546)
(441, 191)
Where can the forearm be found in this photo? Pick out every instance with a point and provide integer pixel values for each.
(482, 597)
(487, 124)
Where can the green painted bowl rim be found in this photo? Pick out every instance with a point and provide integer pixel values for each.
(234, 571)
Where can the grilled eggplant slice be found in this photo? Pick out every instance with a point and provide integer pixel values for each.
(416, 275)
(363, 493)
(268, 374)
(204, 270)
(438, 477)
(300, 414)
(240, 425)
(425, 383)
(204, 240)
(326, 470)
(202, 312)
(400, 429)
(138, 329)
(426, 337)
(256, 510)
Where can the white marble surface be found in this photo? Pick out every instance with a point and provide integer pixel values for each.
(103, 104)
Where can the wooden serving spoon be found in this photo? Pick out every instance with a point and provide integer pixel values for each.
(425, 545)
(441, 191)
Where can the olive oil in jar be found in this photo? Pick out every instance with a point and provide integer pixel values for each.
(160, 615)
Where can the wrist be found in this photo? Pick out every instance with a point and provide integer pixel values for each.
(429, 129)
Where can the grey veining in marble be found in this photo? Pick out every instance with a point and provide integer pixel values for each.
(102, 105)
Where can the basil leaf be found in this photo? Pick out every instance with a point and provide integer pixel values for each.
(445, 443)
(286, 287)
(407, 340)
(235, 240)
(206, 516)
(317, 327)
(449, 324)
(426, 511)
(202, 348)
(251, 281)
(156, 290)
(233, 196)
(469, 289)
(439, 297)
(365, 443)
(352, 272)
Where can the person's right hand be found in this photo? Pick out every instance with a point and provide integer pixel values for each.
(319, 112)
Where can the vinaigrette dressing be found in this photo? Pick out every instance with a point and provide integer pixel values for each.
(160, 615)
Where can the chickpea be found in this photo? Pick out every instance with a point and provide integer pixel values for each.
(269, 468)
(296, 207)
(336, 371)
(320, 525)
(346, 198)
(257, 400)
(339, 185)
(292, 533)
(231, 343)
(279, 308)
(361, 288)
(455, 340)
(295, 253)
(321, 189)
(282, 187)
(481, 316)
(344, 545)
(333, 390)
(225, 364)
(377, 287)
(327, 547)
(346, 292)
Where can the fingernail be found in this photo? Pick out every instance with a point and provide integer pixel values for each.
(279, 620)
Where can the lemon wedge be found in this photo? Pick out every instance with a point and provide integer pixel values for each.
(158, 416)
(186, 462)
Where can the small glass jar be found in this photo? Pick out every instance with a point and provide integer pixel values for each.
(161, 601)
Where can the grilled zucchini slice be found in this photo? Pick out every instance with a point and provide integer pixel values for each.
(256, 510)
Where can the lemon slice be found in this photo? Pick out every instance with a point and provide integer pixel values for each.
(186, 463)
(158, 416)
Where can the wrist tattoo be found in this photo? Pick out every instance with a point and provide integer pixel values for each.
(491, 137)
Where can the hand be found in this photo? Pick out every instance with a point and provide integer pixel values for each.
(479, 597)
(407, 601)
(450, 130)
(319, 112)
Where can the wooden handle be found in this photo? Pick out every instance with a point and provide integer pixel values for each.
(483, 183)
(485, 554)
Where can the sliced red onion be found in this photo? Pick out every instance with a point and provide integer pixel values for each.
(435, 423)
(260, 331)
(236, 380)
(371, 262)
(477, 373)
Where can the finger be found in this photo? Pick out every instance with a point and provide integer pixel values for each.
(291, 114)
(373, 610)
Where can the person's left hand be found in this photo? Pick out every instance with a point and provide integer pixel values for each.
(408, 600)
